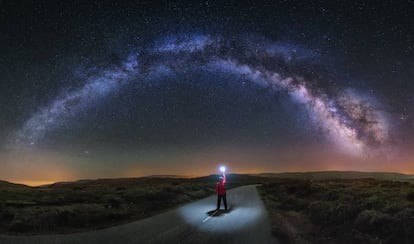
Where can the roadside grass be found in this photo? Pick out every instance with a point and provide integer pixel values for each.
(94, 204)
(301, 210)
(340, 211)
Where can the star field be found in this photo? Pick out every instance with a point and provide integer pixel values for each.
(108, 89)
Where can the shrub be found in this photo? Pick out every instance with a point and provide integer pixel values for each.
(119, 215)
(344, 214)
(395, 206)
(374, 202)
(45, 220)
(162, 196)
(177, 189)
(410, 196)
(7, 214)
(20, 226)
(198, 194)
(300, 188)
(63, 217)
(120, 188)
(112, 201)
(375, 223)
(406, 222)
(320, 212)
(134, 196)
(293, 203)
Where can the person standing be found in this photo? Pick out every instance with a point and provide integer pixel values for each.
(221, 191)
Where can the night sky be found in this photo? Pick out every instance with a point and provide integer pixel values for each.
(92, 89)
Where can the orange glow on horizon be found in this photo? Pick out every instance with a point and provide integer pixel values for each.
(34, 182)
(42, 168)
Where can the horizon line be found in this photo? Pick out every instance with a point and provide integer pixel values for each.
(36, 183)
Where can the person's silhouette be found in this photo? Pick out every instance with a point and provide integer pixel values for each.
(221, 191)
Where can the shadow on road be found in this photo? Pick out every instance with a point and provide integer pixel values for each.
(216, 213)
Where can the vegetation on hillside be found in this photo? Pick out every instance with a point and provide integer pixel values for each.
(341, 210)
(91, 204)
(306, 208)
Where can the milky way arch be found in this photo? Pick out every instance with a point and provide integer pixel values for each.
(349, 119)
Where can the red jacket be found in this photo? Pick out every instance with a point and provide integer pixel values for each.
(220, 189)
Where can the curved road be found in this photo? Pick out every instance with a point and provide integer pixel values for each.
(245, 222)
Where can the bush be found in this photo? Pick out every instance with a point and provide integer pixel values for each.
(331, 195)
(395, 206)
(406, 222)
(45, 220)
(163, 196)
(344, 214)
(293, 203)
(20, 226)
(198, 194)
(178, 190)
(300, 188)
(63, 217)
(376, 223)
(6, 215)
(410, 196)
(120, 188)
(112, 201)
(374, 202)
(134, 196)
(320, 212)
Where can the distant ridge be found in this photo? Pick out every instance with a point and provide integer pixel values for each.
(311, 175)
(166, 176)
(339, 175)
(6, 184)
(151, 178)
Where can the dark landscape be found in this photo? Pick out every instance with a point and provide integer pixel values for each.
(314, 207)
(341, 210)
(92, 204)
